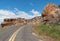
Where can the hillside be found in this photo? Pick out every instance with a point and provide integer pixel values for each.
(48, 28)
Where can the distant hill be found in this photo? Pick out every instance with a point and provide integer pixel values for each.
(13, 21)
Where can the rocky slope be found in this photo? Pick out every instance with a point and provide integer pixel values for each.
(50, 14)
(49, 28)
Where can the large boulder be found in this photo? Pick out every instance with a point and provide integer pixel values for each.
(51, 13)
(48, 8)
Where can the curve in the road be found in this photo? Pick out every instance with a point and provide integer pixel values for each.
(12, 38)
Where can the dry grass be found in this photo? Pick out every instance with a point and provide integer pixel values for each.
(52, 30)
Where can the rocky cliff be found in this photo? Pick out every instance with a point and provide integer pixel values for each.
(13, 21)
(51, 13)
(48, 8)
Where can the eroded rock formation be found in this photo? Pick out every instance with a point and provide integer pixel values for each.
(13, 21)
(51, 13)
(48, 8)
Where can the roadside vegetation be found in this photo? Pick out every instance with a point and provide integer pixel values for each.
(0, 27)
(50, 30)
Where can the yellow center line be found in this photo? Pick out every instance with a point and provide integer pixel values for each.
(12, 38)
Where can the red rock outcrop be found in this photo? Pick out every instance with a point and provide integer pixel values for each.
(48, 8)
(51, 13)
(13, 21)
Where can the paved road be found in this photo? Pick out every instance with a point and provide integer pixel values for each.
(21, 33)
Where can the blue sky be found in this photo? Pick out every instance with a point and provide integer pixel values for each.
(23, 8)
(26, 5)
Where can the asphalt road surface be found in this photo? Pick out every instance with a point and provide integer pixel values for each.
(18, 33)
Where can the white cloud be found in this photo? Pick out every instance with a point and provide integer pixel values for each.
(35, 13)
(6, 12)
(15, 9)
(10, 14)
(23, 15)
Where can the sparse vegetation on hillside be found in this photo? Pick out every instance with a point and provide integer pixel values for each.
(51, 30)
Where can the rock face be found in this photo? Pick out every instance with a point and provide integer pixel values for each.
(13, 21)
(48, 8)
(51, 13)
(35, 20)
